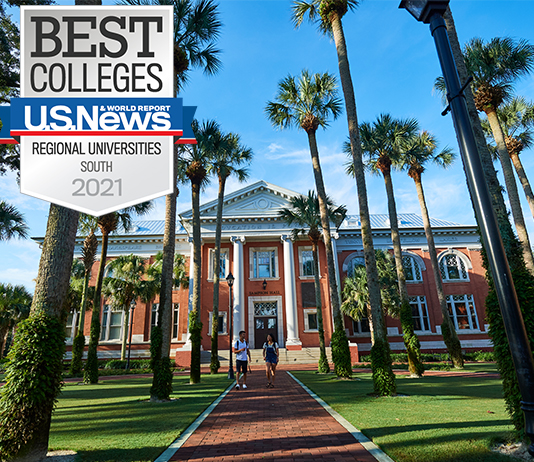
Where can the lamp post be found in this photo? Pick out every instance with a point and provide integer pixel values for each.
(431, 12)
(230, 280)
(132, 308)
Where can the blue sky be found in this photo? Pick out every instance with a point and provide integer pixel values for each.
(393, 63)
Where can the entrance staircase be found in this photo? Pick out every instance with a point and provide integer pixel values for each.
(304, 356)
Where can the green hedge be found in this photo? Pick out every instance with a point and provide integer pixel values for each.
(134, 364)
(484, 356)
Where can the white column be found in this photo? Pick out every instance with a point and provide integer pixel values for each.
(290, 291)
(239, 285)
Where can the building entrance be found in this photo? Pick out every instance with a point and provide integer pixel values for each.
(265, 321)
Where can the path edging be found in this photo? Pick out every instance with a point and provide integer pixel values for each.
(166, 455)
(371, 447)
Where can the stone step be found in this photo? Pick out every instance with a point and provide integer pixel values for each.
(304, 356)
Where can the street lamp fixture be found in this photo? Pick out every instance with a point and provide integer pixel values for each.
(230, 280)
(423, 10)
(264, 284)
(431, 12)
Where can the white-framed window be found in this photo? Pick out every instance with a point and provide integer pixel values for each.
(306, 262)
(412, 270)
(222, 329)
(420, 313)
(264, 263)
(354, 263)
(310, 320)
(154, 315)
(73, 323)
(175, 319)
(361, 326)
(462, 312)
(111, 324)
(224, 264)
(453, 267)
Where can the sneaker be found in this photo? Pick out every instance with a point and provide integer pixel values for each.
(237, 386)
(244, 387)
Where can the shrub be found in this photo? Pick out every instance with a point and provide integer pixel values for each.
(33, 381)
(341, 354)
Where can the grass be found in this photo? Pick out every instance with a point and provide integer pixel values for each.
(435, 419)
(112, 421)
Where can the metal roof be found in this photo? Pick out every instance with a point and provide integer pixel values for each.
(352, 222)
(146, 228)
(406, 220)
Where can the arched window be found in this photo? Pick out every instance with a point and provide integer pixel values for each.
(453, 266)
(354, 263)
(412, 269)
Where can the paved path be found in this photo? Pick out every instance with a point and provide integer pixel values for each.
(280, 424)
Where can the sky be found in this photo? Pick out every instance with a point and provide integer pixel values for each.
(393, 64)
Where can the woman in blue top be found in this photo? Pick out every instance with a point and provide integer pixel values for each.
(270, 355)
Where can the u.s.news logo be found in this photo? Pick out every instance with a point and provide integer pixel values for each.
(96, 117)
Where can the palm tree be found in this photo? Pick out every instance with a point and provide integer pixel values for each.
(382, 144)
(308, 103)
(495, 66)
(89, 249)
(356, 291)
(517, 122)
(125, 285)
(108, 224)
(196, 30)
(305, 212)
(15, 302)
(194, 160)
(522, 277)
(419, 151)
(328, 14)
(230, 156)
(12, 223)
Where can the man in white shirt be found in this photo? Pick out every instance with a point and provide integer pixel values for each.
(242, 352)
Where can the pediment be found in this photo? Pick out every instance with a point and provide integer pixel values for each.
(260, 199)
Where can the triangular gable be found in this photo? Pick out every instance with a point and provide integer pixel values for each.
(260, 199)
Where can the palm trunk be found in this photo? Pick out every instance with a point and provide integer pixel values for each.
(450, 337)
(125, 332)
(215, 364)
(411, 342)
(39, 346)
(511, 187)
(340, 346)
(383, 377)
(78, 343)
(195, 326)
(91, 366)
(518, 165)
(323, 366)
(3, 338)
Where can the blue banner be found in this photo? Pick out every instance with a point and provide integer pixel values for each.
(96, 116)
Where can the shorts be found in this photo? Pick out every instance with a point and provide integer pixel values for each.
(271, 358)
(241, 366)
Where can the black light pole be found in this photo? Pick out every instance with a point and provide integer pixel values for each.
(132, 308)
(431, 12)
(230, 281)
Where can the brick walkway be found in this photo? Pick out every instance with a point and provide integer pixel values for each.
(281, 424)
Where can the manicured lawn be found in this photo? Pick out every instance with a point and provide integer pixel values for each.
(438, 419)
(112, 421)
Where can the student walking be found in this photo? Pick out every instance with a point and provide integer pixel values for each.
(270, 355)
(242, 352)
